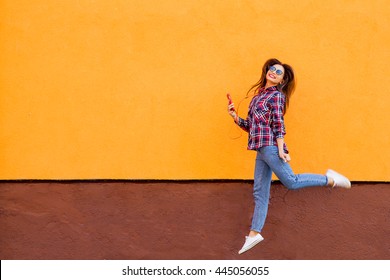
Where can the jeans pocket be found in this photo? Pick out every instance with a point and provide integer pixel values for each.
(269, 150)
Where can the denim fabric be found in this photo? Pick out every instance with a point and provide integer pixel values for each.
(268, 161)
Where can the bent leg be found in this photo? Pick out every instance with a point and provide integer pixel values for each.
(284, 172)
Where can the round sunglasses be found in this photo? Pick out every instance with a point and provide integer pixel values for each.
(273, 69)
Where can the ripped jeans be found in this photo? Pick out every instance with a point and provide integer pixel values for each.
(268, 161)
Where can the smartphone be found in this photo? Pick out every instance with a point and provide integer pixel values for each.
(230, 100)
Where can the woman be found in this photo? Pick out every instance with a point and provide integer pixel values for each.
(266, 130)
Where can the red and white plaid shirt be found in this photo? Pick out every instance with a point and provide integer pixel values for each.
(265, 122)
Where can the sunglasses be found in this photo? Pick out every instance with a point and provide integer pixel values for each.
(273, 69)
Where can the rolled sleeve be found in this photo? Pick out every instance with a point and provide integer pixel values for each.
(244, 124)
(278, 102)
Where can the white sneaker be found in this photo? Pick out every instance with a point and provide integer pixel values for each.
(250, 242)
(339, 180)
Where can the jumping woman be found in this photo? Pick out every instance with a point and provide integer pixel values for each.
(266, 130)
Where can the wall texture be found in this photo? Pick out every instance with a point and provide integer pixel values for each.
(137, 89)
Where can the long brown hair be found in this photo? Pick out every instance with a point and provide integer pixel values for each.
(288, 85)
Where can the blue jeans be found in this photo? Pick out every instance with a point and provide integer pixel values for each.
(268, 161)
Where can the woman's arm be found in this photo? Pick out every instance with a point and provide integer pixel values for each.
(277, 103)
(278, 124)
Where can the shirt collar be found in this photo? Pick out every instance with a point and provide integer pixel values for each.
(273, 88)
(266, 90)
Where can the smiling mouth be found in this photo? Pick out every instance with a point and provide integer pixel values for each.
(272, 76)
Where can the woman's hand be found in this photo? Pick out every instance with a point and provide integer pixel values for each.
(232, 111)
(285, 157)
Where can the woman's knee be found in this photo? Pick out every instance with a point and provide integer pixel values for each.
(290, 183)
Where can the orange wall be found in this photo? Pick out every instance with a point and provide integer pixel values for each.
(136, 89)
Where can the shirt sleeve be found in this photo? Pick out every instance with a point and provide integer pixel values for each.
(278, 102)
(244, 124)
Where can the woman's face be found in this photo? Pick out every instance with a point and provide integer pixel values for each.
(275, 74)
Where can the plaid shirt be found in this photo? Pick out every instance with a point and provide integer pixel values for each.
(265, 122)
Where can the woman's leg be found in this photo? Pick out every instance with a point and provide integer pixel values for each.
(285, 174)
(261, 191)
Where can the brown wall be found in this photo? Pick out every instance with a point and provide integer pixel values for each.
(192, 220)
